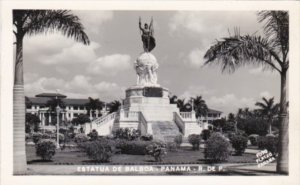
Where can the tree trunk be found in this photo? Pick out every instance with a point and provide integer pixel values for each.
(19, 154)
(283, 149)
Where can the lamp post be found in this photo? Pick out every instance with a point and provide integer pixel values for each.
(58, 109)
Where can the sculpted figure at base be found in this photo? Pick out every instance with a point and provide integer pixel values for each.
(146, 67)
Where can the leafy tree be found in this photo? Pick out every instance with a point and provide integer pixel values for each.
(53, 103)
(173, 99)
(94, 105)
(200, 106)
(270, 52)
(33, 121)
(114, 106)
(183, 106)
(32, 22)
(81, 119)
(268, 109)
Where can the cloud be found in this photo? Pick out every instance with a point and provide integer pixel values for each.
(30, 77)
(77, 53)
(229, 103)
(195, 58)
(94, 20)
(261, 71)
(109, 65)
(193, 91)
(210, 25)
(55, 49)
(265, 94)
(79, 86)
(47, 45)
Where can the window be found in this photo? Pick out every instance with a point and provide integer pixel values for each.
(81, 107)
(75, 114)
(75, 107)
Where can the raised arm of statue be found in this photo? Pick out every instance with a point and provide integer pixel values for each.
(140, 24)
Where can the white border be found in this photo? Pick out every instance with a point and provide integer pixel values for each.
(7, 85)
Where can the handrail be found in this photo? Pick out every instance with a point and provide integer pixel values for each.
(143, 123)
(179, 122)
(186, 115)
(105, 118)
(131, 114)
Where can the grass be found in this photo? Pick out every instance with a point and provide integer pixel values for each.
(183, 155)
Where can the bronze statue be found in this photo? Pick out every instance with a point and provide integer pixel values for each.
(147, 36)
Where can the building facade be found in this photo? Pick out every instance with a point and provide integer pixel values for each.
(211, 116)
(73, 107)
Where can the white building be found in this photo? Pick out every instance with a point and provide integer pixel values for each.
(38, 105)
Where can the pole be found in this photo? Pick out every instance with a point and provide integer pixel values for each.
(57, 128)
(57, 122)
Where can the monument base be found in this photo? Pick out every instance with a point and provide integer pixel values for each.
(153, 102)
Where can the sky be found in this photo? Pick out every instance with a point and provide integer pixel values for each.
(104, 69)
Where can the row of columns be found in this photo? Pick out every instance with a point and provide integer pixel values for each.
(42, 117)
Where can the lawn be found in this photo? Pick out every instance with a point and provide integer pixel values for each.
(184, 155)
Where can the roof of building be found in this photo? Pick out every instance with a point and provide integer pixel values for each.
(212, 111)
(51, 95)
(69, 101)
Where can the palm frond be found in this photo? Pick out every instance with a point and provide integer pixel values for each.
(276, 28)
(236, 51)
(50, 21)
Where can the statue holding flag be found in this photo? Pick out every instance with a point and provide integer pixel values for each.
(147, 35)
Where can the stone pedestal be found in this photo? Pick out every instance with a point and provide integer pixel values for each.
(153, 102)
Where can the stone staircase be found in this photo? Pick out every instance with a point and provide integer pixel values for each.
(164, 130)
(192, 128)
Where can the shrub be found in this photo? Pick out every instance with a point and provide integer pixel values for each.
(27, 128)
(63, 130)
(194, 139)
(178, 140)
(136, 147)
(239, 143)
(157, 150)
(93, 135)
(45, 148)
(36, 136)
(269, 143)
(217, 149)
(100, 150)
(253, 139)
(127, 133)
(172, 146)
(53, 136)
(27, 137)
(79, 138)
(205, 134)
(147, 137)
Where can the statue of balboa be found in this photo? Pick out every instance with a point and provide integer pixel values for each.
(146, 64)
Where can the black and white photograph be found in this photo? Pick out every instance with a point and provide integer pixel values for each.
(151, 92)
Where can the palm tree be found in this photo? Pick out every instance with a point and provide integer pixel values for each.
(200, 106)
(270, 52)
(114, 106)
(31, 22)
(52, 104)
(269, 110)
(94, 105)
(173, 99)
